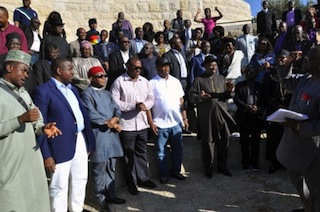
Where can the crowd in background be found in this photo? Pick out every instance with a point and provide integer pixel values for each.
(126, 80)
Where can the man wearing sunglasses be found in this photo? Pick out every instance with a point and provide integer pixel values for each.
(118, 59)
(104, 115)
(135, 98)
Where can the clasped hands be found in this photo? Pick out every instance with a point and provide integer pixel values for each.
(113, 123)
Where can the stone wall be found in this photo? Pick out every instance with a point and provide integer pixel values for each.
(76, 13)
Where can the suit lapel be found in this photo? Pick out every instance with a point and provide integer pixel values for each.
(58, 93)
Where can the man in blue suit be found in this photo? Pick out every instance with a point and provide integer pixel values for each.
(65, 156)
(196, 69)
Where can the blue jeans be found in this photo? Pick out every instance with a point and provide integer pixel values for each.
(173, 135)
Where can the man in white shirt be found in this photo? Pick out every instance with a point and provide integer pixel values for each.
(247, 43)
(168, 119)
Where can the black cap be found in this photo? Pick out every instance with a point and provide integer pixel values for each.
(92, 21)
(56, 21)
(284, 53)
(209, 59)
(161, 61)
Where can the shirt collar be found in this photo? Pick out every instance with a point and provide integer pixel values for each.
(10, 85)
(96, 89)
(124, 52)
(60, 84)
(127, 78)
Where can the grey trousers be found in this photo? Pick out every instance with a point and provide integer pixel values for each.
(308, 185)
(104, 179)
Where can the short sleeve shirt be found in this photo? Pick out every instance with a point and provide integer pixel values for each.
(24, 15)
(209, 24)
(166, 111)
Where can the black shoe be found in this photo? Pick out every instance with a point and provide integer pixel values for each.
(116, 201)
(273, 169)
(163, 179)
(246, 168)
(225, 172)
(147, 184)
(186, 131)
(208, 175)
(177, 176)
(208, 172)
(99, 206)
(298, 210)
(132, 188)
(255, 168)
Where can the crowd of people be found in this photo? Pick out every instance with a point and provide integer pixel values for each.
(104, 95)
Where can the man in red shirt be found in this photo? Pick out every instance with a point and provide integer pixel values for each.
(7, 28)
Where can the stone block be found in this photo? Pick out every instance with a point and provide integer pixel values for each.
(164, 6)
(143, 7)
(154, 7)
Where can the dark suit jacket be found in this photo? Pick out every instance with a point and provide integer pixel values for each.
(240, 99)
(133, 46)
(183, 36)
(29, 35)
(297, 16)
(41, 71)
(266, 23)
(175, 69)
(61, 42)
(117, 68)
(298, 149)
(175, 66)
(98, 50)
(195, 67)
(55, 108)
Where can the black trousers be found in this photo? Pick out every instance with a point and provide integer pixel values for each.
(208, 152)
(134, 144)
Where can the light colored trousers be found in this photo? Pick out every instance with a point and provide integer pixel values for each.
(68, 182)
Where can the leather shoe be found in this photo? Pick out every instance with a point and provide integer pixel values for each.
(208, 172)
(132, 188)
(100, 206)
(298, 210)
(187, 131)
(163, 179)
(273, 169)
(178, 176)
(116, 201)
(147, 184)
(208, 175)
(225, 172)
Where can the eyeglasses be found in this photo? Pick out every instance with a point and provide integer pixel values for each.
(138, 68)
(100, 76)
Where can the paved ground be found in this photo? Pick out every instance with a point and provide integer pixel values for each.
(244, 191)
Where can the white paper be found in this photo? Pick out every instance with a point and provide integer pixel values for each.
(281, 114)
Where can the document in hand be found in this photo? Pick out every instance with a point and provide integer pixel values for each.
(281, 114)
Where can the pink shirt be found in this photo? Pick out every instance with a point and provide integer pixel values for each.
(10, 29)
(209, 24)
